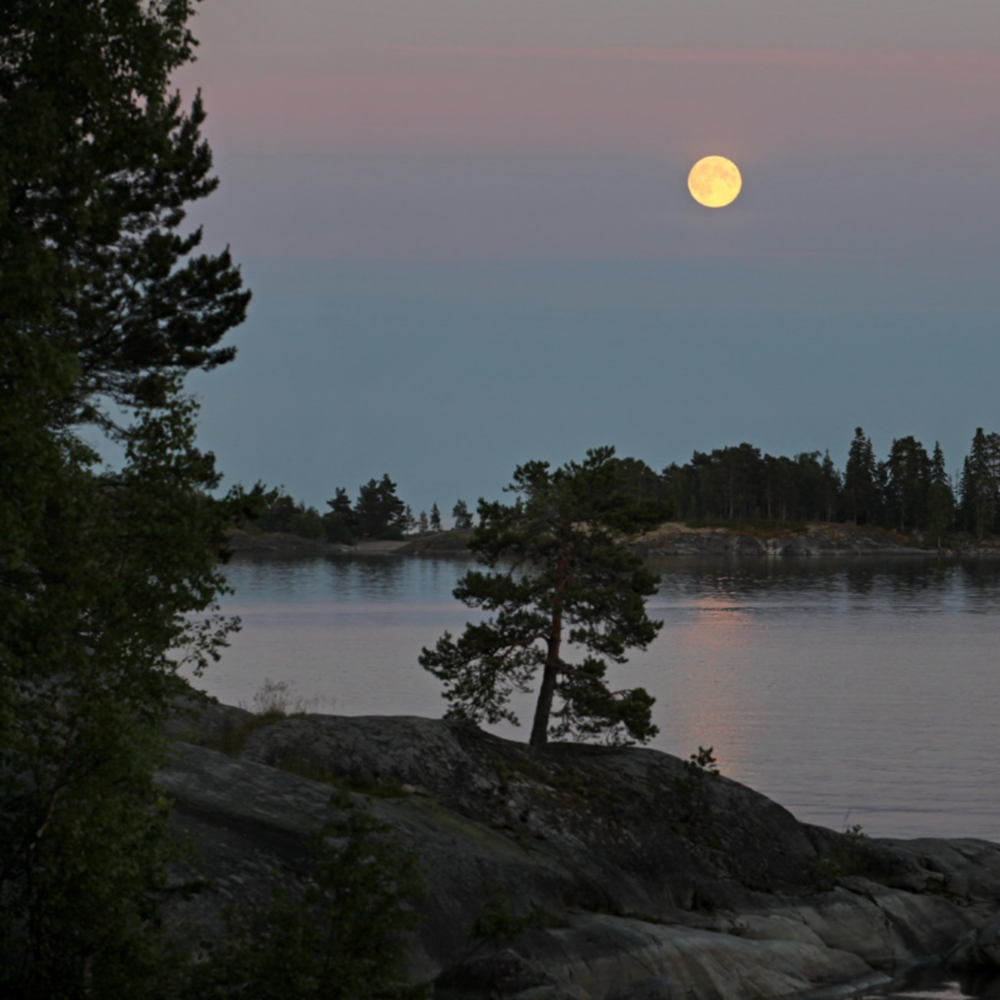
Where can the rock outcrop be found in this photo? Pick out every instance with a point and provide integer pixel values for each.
(635, 877)
(677, 539)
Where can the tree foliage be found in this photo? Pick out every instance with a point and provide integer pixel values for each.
(379, 512)
(99, 162)
(940, 498)
(908, 492)
(343, 938)
(462, 515)
(980, 484)
(566, 581)
(108, 576)
(860, 480)
(294, 517)
(909, 479)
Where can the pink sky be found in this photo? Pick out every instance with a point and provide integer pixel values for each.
(442, 182)
(839, 104)
(362, 131)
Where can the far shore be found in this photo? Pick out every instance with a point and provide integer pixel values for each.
(673, 539)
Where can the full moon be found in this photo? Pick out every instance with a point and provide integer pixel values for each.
(714, 181)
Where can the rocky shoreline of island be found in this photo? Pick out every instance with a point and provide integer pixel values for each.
(620, 873)
(673, 539)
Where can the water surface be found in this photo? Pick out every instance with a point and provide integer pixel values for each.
(851, 691)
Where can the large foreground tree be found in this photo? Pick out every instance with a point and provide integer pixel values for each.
(561, 580)
(108, 573)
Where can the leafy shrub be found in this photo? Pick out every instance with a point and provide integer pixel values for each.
(691, 789)
(342, 937)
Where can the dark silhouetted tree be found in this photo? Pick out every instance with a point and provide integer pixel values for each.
(909, 478)
(409, 521)
(378, 512)
(340, 522)
(980, 483)
(108, 574)
(463, 518)
(567, 581)
(940, 499)
(831, 488)
(861, 488)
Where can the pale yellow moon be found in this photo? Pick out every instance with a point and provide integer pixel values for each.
(714, 181)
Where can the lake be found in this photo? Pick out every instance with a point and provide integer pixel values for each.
(852, 691)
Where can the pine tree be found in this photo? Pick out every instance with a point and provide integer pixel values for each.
(463, 517)
(341, 504)
(409, 521)
(340, 522)
(378, 512)
(423, 526)
(567, 581)
(435, 518)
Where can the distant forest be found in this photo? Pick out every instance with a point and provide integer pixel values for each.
(909, 491)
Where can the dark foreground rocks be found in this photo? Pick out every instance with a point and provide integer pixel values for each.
(620, 873)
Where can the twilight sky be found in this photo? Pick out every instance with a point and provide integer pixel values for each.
(468, 232)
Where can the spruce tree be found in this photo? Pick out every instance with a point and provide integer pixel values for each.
(567, 581)
(435, 518)
(861, 490)
(409, 521)
(909, 479)
(831, 488)
(940, 498)
(980, 484)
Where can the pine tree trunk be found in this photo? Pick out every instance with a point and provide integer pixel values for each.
(546, 694)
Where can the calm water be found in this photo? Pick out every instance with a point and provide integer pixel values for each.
(850, 691)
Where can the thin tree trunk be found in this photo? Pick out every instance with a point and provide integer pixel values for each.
(546, 693)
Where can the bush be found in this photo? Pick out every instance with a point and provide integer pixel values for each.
(293, 517)
(341, 938)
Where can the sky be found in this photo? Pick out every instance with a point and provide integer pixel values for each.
(468, 232)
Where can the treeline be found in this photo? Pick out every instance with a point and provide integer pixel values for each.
(377, 513)
(908, 491)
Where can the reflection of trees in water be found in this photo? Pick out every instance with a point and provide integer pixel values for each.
(368, 578)
(271, 575)
(352, 579)
(892, 579)
(981, 581)
(394, 578)
(971, 584)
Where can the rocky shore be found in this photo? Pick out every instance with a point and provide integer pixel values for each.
(671, 539)
(675, 539)
(626, 874)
